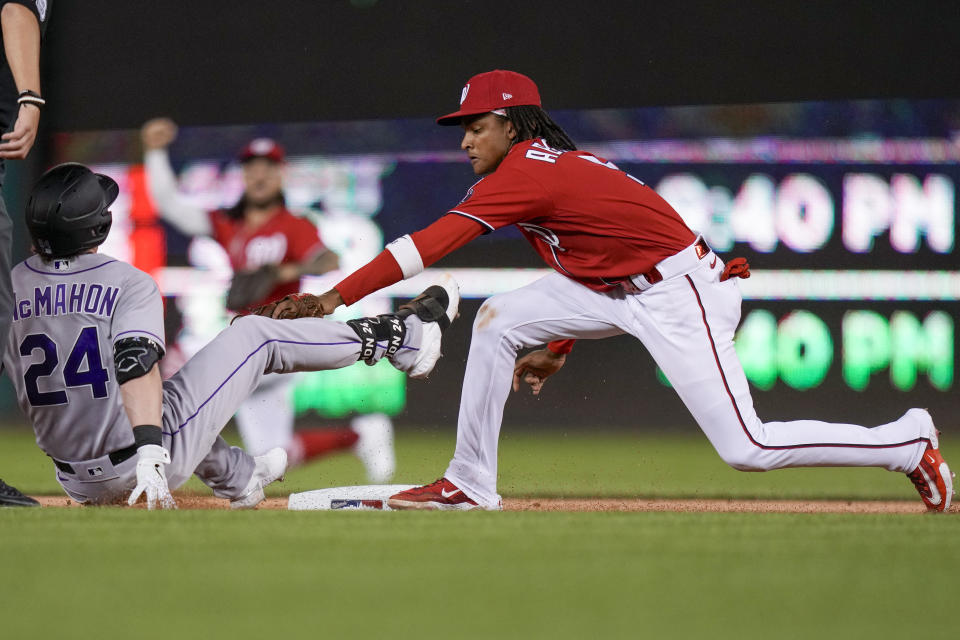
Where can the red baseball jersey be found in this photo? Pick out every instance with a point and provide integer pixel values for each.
(586, 218)
(281, 239)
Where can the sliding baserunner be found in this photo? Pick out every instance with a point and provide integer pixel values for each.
(87, 334)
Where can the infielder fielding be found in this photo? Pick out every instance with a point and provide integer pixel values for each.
(625, 262)
(87, 335)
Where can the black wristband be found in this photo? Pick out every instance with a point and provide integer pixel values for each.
(31, 97)
(145, 434)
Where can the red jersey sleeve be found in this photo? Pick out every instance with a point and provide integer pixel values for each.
(440, 238)
(380, 272)
(303, 240)
(561, 347)
(506, 196)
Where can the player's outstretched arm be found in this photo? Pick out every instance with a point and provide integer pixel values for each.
(535, 367)
(407, 256)
(403, 258)
(156, 135)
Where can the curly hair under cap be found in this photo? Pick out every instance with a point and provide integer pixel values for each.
(533, 122)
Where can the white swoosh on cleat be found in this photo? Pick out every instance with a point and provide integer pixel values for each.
(444, 493)
(948, 483)
(935, 496)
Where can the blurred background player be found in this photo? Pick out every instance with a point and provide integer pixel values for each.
(269, 249)
(23, 25)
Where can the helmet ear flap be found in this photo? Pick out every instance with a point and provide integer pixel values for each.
(110, 188)
(104, 229)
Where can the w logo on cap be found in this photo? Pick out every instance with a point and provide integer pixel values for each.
(490, 91)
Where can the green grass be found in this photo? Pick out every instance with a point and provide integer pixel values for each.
(119, 573)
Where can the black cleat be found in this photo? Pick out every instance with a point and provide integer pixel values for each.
(10, 497)
(438, 303)
(437, 307)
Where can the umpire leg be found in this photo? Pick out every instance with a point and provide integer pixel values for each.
(6, 287)
(8, 495)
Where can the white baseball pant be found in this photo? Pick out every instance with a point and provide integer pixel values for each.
(687, 323)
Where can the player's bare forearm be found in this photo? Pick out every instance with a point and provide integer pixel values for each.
(143, 398)
(324, 262)
(21, 45)
(329, 301)
(535, 367)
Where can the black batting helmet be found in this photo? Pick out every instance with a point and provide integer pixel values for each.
(68, 210)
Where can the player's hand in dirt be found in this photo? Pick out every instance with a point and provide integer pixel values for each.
(152, 479)
(158, 133)
(535, 367)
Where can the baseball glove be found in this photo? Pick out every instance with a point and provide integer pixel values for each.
(736, 268)
(297, 305)
(248, 287)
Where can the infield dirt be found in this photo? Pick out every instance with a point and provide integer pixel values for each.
(200, 502)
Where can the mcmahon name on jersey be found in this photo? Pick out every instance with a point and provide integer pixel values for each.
(58, 300)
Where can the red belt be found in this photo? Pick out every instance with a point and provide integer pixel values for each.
(654, 276)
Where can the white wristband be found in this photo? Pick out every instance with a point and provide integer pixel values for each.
(407, 255)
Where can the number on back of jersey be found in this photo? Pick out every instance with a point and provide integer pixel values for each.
(84, 367)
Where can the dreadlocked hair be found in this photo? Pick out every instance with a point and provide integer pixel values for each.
(533, 122)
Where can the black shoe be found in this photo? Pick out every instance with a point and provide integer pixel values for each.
(438, 303)
(437, 307)
(10, 497)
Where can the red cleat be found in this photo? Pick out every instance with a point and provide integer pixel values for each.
(440, 495)
(932, 477)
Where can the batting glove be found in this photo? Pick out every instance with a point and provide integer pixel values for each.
(151, 478)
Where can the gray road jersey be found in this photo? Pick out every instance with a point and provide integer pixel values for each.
(59, 353)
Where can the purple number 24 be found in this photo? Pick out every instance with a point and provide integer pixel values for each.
(86, 348)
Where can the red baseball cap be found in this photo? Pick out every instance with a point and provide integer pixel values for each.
(493, 90)
(263, 148)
